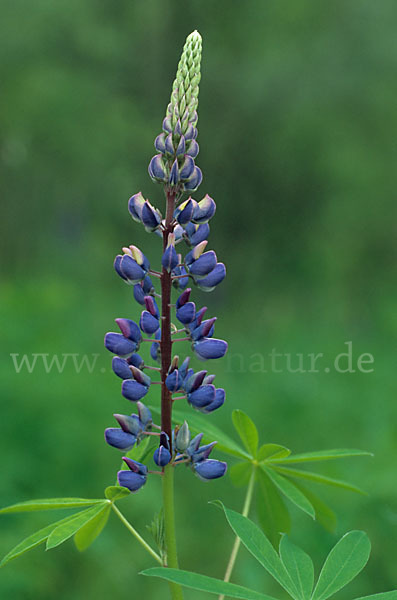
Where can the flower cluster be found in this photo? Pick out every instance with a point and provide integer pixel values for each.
(186, 451)
(185, 221)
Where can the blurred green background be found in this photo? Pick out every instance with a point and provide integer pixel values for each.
(297, 136)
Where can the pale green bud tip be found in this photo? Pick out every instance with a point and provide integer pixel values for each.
(193, 37)
(185, 89)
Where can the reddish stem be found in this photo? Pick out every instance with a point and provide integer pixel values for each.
(166, 343)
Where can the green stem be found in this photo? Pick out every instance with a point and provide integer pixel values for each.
(169, 525)
(237, 541)
(136, 535)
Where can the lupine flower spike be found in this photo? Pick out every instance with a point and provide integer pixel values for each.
(184, 220)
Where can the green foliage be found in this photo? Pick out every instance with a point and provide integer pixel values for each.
(321, 455)
(116, 492)
(343, 563)
(290, 491)
(291, 567)
(276, 480)
(32, 541)
(86, 534)
(247, 431)
(299, 567)
(64, 531)
(272, 451)
(48, 504)
(205, 584)
(273, 515)
(157, 531)
(85, 525)
(297, 474)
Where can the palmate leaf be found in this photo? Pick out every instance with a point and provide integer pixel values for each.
(199, 424)
(290, 491)
(205, 584)
(299, 566)
(272, 513)
(345, 561)
(50, 504)
(293, 569)
(321, 455)
(317, 478)
(84, 537)
(65, 530)
(32, 541)
(247, 431)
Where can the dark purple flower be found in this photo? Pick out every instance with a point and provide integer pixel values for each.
(210, 469)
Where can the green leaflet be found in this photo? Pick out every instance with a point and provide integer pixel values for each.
(290, 491)
(382, 596)
(257, 543)
(321, 455)
(116, 492)
(84, 537)
(272, 513)
(199, 424)
(247, 431)
(205, 584)
(33, 540)
(299, 566)
(272, 451)
(298, 474)
(345, 561)
(49, 504)
(64, 531)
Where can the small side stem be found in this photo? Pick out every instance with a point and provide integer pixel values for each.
(136, 535)
(169, 526)
(237, 541)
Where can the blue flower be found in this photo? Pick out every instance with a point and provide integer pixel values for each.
(155, 351)
(135, 478)
(204, 210)
(209, 348)
(132, 428)
(149, 321)
(194, 234)
(170, 257)
(157, 169)
(119, 439)
(133, 390)
(121, 368)
(162, 454)
(129, 329)
(208, 283)
(210, 469)
(118, 344)
(151, 217)
(135, 204)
